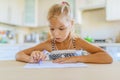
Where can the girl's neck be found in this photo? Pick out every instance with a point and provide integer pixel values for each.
(68, 43)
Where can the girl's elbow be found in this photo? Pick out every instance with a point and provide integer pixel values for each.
(17, 56)
(108, 59)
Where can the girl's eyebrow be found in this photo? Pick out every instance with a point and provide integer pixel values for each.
(62, 26)
(59, 26)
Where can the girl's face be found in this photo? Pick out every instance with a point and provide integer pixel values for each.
(60, 28)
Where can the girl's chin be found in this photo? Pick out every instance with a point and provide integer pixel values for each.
(59, 40)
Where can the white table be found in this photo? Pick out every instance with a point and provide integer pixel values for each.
(13, 70)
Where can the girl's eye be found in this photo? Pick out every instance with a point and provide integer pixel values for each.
(61, 29)
(51, 29)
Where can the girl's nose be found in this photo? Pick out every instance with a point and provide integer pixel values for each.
(56, 32)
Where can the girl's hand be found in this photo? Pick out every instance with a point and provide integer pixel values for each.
(66, 60)
(36, 56)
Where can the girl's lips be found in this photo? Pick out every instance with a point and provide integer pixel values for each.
(57, 38)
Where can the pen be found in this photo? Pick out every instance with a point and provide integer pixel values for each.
(40, 61)
(46, 53)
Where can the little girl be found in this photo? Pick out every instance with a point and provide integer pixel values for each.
(63, 38)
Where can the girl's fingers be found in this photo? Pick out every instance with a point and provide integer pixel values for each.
(37, 56)
(32, 60)
(42, 56)
(34, 56)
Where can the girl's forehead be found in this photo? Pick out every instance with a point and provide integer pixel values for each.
(55, 21)
(58, 21)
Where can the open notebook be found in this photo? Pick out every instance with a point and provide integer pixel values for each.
(49, 64)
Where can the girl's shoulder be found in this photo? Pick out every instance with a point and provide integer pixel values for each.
(44, 45)
(46, 42)
(78, 38)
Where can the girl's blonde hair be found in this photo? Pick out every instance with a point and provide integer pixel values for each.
(61, 9)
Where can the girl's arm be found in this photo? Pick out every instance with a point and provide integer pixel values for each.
(97, 55)
(25, 55)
